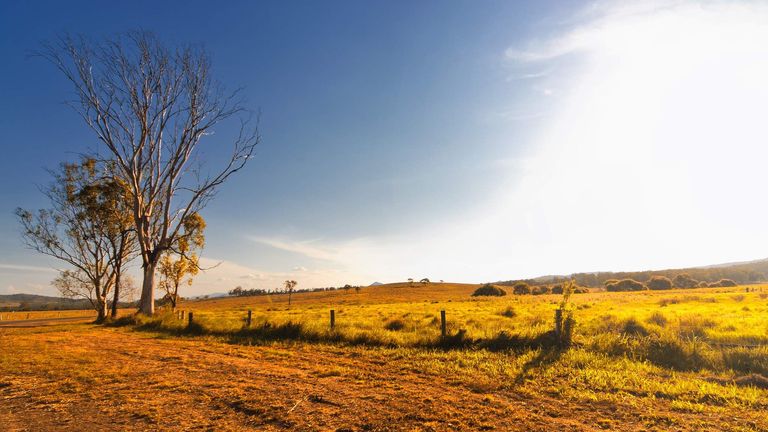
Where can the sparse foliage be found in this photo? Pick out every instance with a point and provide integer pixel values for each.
(85, 228)
(180, 264)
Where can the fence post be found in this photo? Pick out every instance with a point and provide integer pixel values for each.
(248, 321)
(443, 326)
(190, 318)
(333, 319)
(182, 314)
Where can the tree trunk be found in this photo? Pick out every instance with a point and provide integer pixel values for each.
(102, 303)
(147, 303)
(116, 298)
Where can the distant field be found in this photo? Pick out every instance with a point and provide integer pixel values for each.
(33, 315)
(37, 315)
(652, 360)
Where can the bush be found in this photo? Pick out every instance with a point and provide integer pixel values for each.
(726, 283)
(509, 312)
(395, 325)
(625, 285)
(610, 282)
(489, 290)
(659, 283)
(557, 289)
(633, 327)
(540, 289)
(658, 318)
(703, 284)
(521, 288)
(581, 290)
(683, 280)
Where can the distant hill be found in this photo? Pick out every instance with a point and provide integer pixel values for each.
(39, 302)
(741, 272)
(376, 284)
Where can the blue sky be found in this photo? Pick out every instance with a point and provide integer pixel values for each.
(465, 141)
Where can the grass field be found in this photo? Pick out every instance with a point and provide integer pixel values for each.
(35, 315)
(651, 360)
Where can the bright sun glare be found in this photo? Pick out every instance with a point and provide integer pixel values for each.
(656, 137)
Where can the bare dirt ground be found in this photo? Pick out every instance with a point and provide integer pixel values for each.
(86, 378)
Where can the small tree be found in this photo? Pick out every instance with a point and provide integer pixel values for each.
(410, 281)
(174, 271)
(424, 281)
(289, 286)
(84, 228)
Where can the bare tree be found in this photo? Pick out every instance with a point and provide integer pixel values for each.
(151, 106)
(289, 286)
(81, 229)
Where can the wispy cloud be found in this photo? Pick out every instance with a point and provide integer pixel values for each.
(21, 267)
(607, 24)
(308, 248)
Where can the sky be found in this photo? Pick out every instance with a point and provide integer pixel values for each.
(455, 140)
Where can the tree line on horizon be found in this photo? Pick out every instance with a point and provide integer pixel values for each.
(139, 192)
(739, 273)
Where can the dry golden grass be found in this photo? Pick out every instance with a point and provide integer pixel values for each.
(218, 377)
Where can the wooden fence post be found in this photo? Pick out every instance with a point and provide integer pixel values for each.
(191, 318)
(182, 314)
(248, 321)
(333, 319)
(443, 326)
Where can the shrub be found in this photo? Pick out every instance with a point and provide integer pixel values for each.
(726, 283)
(581, 290)
(610, 282)
(633, 327)
(489, 290)
(509, 312)
(557, 289)
(683, 280)
(540, 289)
(659, 283)
(625, 285)
(703, 284)
(658, 318)
(521, 288)
(674, 353)
(395, 325)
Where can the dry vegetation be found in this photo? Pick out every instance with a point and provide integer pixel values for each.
(649, 360)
